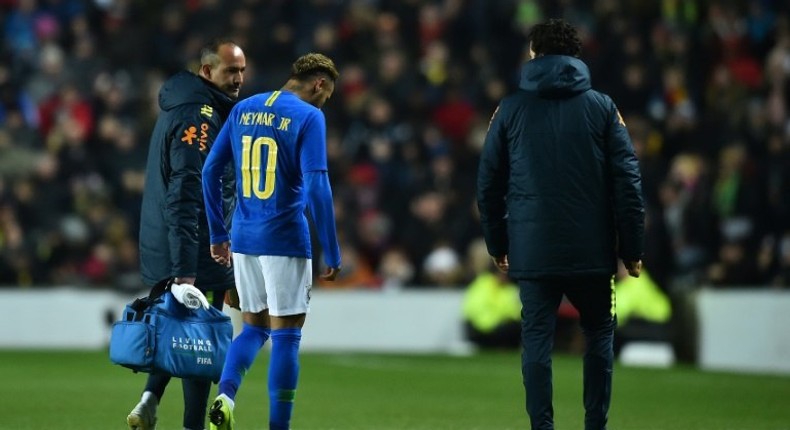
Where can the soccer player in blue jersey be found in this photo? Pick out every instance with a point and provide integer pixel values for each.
(277, 144)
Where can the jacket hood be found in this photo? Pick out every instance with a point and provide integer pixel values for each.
(555, 76)
(188, 88)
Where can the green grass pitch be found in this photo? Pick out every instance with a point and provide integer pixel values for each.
(78, 390)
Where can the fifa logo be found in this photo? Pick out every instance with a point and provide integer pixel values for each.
(204, 360)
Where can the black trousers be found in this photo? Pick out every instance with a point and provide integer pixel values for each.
(594, 298)
(196, 391)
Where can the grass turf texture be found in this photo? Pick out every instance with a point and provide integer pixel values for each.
(71, 390)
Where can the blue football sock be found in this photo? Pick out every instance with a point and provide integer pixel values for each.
(283, 375)
(241, 354)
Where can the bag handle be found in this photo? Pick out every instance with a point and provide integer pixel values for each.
(160, 288)
(139, 315)
(141, 304)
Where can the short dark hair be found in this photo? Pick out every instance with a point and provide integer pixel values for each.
(555, 37)
(313, 64)
(209, 54)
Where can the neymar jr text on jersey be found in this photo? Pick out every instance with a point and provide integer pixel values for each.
(264, 118)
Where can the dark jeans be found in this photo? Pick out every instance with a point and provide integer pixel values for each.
(196, 391)
(593, 297)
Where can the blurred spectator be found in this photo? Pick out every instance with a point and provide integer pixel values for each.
(685, 198)
(492, 308)
(442, 267)
(736, 198)
(735, 267)
(357, 272)
(492, 312)
(395, 270)
(64, 106)
(644, 311)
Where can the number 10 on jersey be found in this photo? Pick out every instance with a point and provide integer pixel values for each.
(251, 166)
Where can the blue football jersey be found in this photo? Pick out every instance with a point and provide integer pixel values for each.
(273, 139)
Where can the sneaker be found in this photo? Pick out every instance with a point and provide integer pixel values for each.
(142, 417)
(220, 415)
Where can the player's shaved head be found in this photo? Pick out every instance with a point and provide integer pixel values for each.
(210, 53)
(222, 62)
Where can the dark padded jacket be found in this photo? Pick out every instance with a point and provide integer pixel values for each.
(174, 239)
(559, 187)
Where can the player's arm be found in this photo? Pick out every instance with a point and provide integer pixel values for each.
(214, 172)
(627, 196)
(492, 185)
(320, 204)
(218, 158)
(183, 198)
(318, 191)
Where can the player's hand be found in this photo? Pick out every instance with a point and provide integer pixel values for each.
(189, 296)
(232, 299)
(330, 274)
(220, 252)
(501, 263)
(634, 268)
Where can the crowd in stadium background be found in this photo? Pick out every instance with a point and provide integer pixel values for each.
(704, 87)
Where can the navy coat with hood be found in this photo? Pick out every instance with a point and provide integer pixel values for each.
(174, 238)
(559, 186)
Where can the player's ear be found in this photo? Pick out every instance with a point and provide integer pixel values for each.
(319, 85)
(205, 71)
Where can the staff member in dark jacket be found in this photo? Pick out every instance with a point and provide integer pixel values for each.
(560, 198)
(174, 238)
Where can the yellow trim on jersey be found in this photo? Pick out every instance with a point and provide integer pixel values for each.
(613, 309)
(272, 98)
